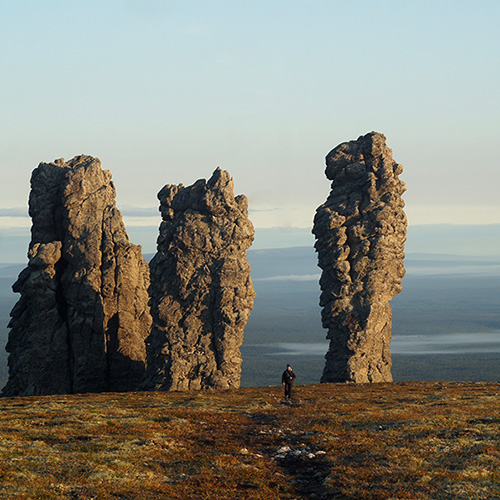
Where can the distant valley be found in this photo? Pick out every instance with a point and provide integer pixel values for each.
(446, 322)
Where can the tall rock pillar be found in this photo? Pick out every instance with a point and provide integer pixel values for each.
(80, 323)
(201, 291)
(360, 234)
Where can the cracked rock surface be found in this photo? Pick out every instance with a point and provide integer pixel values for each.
(360, 234)
(201, 291)
(80, 323)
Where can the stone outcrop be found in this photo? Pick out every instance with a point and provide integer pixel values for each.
(83, 316)
(360, 234)
(201, 291)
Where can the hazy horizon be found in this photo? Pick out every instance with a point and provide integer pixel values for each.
(453, 239)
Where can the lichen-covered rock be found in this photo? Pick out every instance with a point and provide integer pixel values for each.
(360, 234)
(201, 291)
(83, 316)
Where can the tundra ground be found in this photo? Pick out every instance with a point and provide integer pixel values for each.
(380, 441)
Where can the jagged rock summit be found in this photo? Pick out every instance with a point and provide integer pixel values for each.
(360, 234)
(201, 291)
(80, 323)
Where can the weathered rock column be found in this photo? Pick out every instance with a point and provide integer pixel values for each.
(360, 234)
(201, 291)
(83, 315)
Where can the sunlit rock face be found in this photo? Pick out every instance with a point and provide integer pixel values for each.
(360, 235)
(83, 316)
(201, 291)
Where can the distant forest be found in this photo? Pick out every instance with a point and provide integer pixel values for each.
(442, 295)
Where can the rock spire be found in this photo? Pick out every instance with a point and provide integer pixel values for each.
(80, 323)
(360, 234)
(201, 291)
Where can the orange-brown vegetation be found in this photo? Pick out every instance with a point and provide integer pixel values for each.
(379, 441)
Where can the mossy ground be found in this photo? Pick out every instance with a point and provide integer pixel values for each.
(382, 441)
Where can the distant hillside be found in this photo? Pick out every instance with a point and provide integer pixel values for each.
(414, 441)
(446, 322)
(455, 239)
(475, 240)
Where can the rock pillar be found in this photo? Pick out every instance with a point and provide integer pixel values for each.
(83, 315)
(360, 234)
(201, 291)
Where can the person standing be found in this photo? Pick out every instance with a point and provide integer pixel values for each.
(287, 379)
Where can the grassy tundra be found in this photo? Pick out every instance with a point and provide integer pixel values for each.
(387, 441)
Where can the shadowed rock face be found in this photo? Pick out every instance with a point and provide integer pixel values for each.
(201, 291)
(360, 234)
(83, 314)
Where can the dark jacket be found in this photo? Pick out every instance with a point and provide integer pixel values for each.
(288, 377)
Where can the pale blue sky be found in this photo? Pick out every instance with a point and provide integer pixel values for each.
(164, 92)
